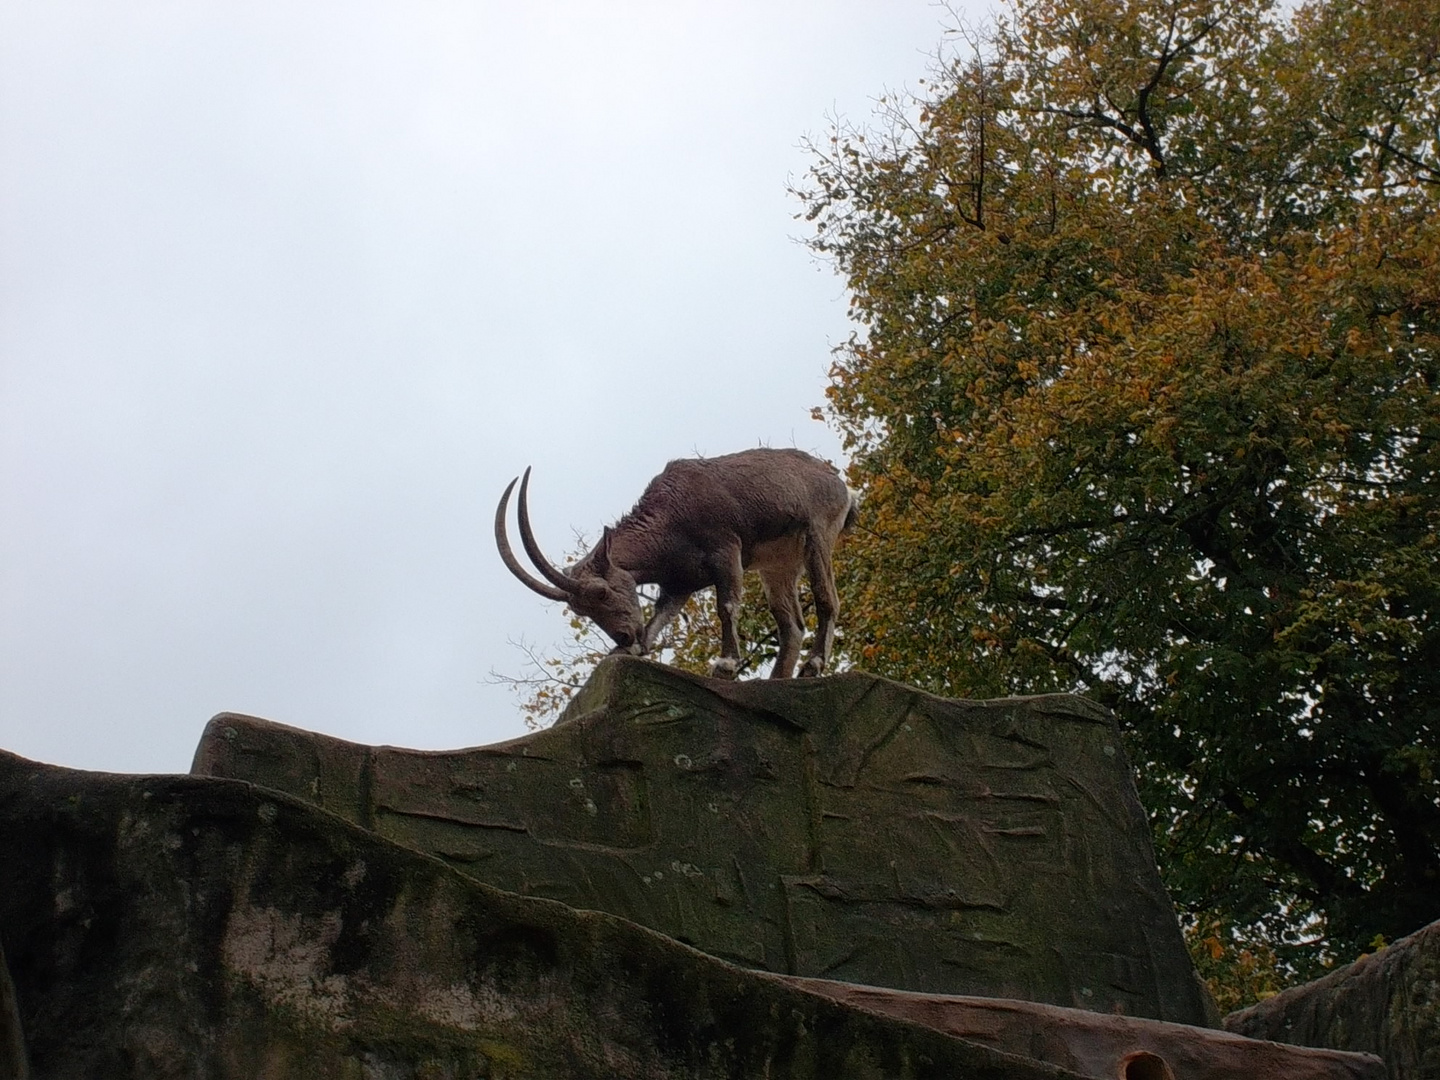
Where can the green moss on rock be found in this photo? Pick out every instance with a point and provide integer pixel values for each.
(848, 828)
(160, 927)
(1387, 1003)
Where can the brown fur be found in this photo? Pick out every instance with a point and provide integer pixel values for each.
(702, 522)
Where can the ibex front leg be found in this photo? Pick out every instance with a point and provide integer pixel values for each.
(666, 608)
(729, 591)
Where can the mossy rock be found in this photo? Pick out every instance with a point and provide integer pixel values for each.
(846, 828)
(178, 927)
(1386, 1003)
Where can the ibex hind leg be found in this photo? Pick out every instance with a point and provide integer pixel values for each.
(827, 606)
(782, 590)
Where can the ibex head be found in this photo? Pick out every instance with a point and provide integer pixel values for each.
(594, 587)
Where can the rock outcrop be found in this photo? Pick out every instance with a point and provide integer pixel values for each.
(1387, 1003)
(1106, 1046)
(163, 927)
(166, 928)
(847, 828)
(12, 1037)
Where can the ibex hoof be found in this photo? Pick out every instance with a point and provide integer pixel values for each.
(812, 667)
(725, 667)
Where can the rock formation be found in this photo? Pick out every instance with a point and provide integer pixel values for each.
(1387, 1003)
(167, 928)
(12, 1037)
(847, 828)
(332, 914)
(1105, 1045)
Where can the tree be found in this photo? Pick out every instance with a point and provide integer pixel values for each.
(1143, 401)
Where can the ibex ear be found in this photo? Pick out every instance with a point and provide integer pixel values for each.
(600, 561)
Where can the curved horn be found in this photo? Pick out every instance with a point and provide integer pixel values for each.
(527, 537)
(513, 564)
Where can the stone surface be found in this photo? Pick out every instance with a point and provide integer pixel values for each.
(847, 828)
(1106, 1046)
(12, 1040)
(1387, 1003)
(179, 927)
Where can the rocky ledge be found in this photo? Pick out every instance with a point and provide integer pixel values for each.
(846, 828)
(308, 908)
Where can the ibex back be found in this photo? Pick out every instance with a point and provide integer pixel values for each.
(704, 522)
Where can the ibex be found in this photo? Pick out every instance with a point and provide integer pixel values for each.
(703, 522)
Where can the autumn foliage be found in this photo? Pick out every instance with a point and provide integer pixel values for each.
(1143, 402)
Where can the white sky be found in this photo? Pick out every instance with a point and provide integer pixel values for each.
(288, 292)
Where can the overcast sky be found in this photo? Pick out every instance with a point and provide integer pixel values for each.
(289, 291)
